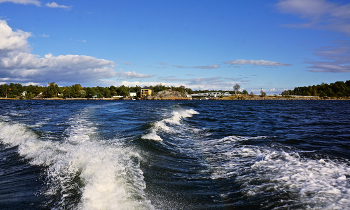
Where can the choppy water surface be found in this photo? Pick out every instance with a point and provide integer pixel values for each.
(174, 155)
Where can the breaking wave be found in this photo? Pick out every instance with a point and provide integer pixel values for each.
(171, 124)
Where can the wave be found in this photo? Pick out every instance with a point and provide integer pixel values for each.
(301, 182)
(82, 171)
(169, 124)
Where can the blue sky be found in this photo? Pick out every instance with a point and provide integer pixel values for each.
(274, 45)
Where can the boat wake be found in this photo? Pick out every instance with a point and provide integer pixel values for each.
(82, 172)
(296, 180)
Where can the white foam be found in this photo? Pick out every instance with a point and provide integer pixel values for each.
(177, 116)
(317, 183)
(111, 174)
(169, 124)
(152, 136)
(232, 139)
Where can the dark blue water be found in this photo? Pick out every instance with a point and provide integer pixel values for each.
(174, 154)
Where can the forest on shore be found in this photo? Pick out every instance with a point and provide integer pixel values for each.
(334, 90)
(52, 90)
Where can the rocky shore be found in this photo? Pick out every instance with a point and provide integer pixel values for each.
(168, 95)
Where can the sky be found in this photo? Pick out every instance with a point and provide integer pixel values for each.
(201, 44)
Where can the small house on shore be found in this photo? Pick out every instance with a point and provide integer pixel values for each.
(145, 91)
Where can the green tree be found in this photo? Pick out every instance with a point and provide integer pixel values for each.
(236, 88)
(262, 93)
(30, 95)
(245, 92)
(77, 90)
(51, 91)
(107, 93)
(90, 92)
(4, 90)
(83, 93)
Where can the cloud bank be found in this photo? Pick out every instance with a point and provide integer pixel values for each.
(237, 62)
(132, 75)
(35, 2)
(208, 67)
(334, 59)
(215, 66)
(325, 15)
(255, 62)
(17, 64)
(320, 14)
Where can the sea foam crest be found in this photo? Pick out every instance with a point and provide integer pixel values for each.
(106, 175)
(318, 183)
(168, 123)
(312, 183)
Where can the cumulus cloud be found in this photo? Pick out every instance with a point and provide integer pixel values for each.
(132, 75)
(255, 62)
(335, 58)
(320, 14)
(12, 40)
(55, 5)
(17, 64)
(37, 3)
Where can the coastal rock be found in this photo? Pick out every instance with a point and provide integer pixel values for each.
(168, 95)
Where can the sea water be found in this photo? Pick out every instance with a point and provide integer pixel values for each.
(174, 154)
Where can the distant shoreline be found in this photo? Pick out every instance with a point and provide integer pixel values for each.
(243, 98)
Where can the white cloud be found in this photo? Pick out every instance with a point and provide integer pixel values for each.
(335, 59)
(208, 67)
(17, 64)
(142, 84)
(55, 5)
(131, 75)
(30, 83)
(179, 66)
(44, 35)
(12, 40)
(320, 14)
(37, 3)
(215, 66)
(255, 62)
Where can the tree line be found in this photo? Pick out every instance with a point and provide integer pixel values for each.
(336, 89)
(52, 90)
